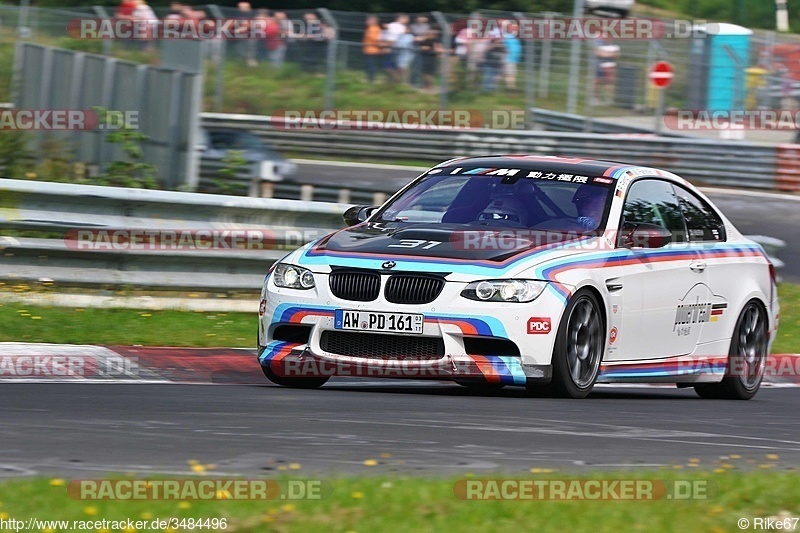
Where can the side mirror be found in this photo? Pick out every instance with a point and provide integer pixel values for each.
(358, 213)
(644, 235)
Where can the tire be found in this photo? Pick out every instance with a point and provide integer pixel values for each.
(295, 383)
(578, 350)
(746, 358)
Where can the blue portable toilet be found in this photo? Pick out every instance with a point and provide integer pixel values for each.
(719, 56)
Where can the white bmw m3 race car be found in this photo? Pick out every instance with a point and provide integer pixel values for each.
(549, 273)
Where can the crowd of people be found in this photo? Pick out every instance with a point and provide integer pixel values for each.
(406, 51)
(302, 41)
(414, 53)
(398, 50)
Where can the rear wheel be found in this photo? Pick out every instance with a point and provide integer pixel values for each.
(747, 357)
(578, 350)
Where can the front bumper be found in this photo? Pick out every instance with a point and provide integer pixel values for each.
(288, 359)
(450, 318)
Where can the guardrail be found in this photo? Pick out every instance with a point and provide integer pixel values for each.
(247, 182)
(275, 225)
(713, 162)
(568, 122)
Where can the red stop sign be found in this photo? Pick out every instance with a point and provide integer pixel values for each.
(661, 74)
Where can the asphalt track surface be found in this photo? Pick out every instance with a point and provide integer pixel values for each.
(84, 430)
(753, 214)
(88, 429)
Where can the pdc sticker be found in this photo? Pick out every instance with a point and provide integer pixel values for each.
(538, 325)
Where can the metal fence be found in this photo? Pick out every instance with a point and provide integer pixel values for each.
(167, 102)
(327, 69)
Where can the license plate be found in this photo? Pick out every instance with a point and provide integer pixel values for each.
(372, 321)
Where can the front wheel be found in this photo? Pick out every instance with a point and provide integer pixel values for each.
(578, 349)
(747, 357)
(296, 383)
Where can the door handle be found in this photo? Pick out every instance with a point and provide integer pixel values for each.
(698, 267)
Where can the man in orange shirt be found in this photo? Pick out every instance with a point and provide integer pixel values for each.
(372, 47)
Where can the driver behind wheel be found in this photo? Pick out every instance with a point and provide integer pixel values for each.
(590, 202)
(505, 210)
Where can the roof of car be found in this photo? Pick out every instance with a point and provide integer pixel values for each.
(573, 165)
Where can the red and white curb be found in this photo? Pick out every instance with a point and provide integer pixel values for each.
(37, 362)
(29, 362)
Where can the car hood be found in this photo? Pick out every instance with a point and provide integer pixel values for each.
(439, 247)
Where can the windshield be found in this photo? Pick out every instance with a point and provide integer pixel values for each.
(522, 198)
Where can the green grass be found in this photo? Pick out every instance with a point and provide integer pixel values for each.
(788, 340)
(378, 503)
(182, 328)
(126, 327)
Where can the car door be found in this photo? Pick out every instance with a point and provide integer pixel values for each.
(706, 232)
(657, 285)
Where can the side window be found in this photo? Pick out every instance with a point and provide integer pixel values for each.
(654, 202)
(702, 221)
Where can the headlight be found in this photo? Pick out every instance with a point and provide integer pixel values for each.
(293, 277)
(504, 290)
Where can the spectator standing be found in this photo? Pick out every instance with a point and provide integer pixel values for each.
(261, 20)
(462, 45)
(419, 29)
(477, 45)
(125, 10)
(312, 43)
(144, 13)
(492, 62)
(513, 56)
(273, 42)
(405, 54)
(371, 47)
(429, 49)
(606, 72)
(246, 47)
(391, 34)
(286, 32)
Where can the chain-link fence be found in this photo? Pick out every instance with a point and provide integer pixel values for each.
(320, 61)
